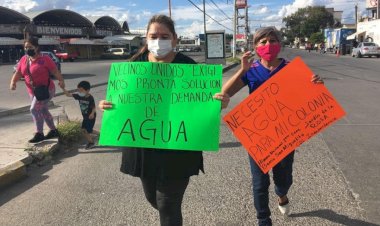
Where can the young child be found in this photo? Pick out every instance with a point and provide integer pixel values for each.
(87, 107)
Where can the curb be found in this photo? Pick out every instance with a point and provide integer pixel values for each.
(14, 172)
(230, 66)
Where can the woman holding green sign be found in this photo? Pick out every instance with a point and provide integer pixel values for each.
(164, 174)
(267, 44)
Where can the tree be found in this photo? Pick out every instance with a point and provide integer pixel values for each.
(307, 21)
(316, 37)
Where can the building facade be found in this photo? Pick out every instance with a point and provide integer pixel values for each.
(60, 30)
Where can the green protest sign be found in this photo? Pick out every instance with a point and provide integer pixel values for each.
(161, 105)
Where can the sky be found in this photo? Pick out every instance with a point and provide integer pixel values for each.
(188, 18)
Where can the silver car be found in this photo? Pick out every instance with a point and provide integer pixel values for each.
(366, 49)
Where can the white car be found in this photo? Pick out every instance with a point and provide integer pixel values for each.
(113, 53)
(366, 49)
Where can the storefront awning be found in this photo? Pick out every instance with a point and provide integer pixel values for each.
(80, 41)
(6, 41)
(120, 39)
(48, 41)
(100, 42)
(354, 35)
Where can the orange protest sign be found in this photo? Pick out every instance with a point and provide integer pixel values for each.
(285, 111)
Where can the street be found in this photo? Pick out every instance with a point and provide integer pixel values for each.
(336, 172)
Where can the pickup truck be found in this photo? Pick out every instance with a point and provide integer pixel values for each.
(64, 56)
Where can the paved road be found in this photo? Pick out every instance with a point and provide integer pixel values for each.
(85, 188)
(354, 141)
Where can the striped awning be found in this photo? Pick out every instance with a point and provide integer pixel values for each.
(7, 41)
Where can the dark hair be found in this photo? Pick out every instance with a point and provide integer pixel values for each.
(161, 19)
(85, 85)
(266, 32)
(32, 40)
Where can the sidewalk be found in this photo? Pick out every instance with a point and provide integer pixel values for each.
(17, 128)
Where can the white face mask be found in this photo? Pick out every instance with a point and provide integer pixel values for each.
(160, 48)
(81, 94)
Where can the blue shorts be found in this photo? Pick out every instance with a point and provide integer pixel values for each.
(88, 124)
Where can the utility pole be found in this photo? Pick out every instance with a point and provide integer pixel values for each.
(246, 28)
(204, 27)
(356, 16)
(170, 9)
(234, 36)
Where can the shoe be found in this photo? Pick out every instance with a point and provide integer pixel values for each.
(89, 146)
(284, 207)
(37, 138)
(52, 134)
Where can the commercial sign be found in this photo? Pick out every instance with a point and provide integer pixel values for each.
(103, 32)
(11, 29)
(240, 37)
(241, 4)
(50, 30)
(215, 45)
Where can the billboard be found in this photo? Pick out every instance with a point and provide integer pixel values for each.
(240, 37)
(241, 4)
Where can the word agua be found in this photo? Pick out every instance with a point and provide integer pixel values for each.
(153, 132)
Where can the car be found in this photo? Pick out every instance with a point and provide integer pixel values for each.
(115, 53)
(63, 55)
(54, 58)
(47, 53)
(134, 50)
(366, 49)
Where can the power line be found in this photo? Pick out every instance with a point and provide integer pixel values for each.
(208, 15)
(212, 6)
(221, 10)
(216, 8)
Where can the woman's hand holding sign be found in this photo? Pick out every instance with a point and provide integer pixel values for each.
(224, 98)
(317, 79)
(104, 105)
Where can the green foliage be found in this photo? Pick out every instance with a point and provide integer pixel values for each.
(69, 132)
(316, 37)
(229, 37)
(233, 60)
(307, 21)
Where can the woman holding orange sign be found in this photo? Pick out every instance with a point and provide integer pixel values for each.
(267, 45)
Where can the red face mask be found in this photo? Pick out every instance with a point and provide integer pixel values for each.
(269, 52)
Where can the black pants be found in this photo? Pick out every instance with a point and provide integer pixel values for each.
(166, 197)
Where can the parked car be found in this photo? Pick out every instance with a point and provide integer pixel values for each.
(47, 53)
(54, 58)
(115, 53)
(366, 49)
(63, 55)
